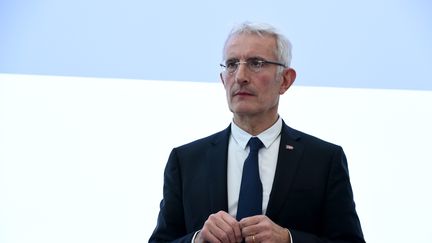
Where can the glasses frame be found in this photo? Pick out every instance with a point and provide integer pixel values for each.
(249, 63)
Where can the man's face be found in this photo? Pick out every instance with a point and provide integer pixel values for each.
(252, 93)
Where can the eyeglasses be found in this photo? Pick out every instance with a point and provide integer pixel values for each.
(254, 64)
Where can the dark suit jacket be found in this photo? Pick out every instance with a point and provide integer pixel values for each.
(311, 193)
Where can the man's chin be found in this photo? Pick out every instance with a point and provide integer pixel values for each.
(244, 111)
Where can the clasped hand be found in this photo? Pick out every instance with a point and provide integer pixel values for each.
(224, 228)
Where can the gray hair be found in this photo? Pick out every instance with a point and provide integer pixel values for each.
(283, 45)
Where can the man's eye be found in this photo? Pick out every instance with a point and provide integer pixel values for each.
(255, 62)
(231, 64)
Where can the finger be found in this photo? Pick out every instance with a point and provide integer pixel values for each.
(223, 226)
(206, 236)
(210, 231)
(220, 234)
(249, 225)
(252, 239)
(229, 226)
(251, 220)
(235, 228)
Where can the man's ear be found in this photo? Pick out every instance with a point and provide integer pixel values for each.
(288, 78)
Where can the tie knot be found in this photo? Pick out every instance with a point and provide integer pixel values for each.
(255, 144)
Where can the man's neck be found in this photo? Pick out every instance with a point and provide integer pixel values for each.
(255, 125)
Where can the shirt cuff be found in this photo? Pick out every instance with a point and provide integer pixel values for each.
(289, 234)
(193, 238)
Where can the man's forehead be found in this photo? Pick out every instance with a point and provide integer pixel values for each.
(250, 45)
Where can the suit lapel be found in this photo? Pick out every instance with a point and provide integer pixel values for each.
(290, 151)
(217, 156)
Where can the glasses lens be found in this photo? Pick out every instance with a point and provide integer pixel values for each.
(231, 65)
(255, 64)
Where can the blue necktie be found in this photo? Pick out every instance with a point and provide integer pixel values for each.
(250, 198)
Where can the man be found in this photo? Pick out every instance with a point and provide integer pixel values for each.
(302, 192)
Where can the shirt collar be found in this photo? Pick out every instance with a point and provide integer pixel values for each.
(267, 137)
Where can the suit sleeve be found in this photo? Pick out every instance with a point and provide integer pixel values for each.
(340, 221)
(171, 223)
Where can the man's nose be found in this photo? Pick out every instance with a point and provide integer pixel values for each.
(241, 74)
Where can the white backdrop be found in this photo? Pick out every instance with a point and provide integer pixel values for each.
(81, 159)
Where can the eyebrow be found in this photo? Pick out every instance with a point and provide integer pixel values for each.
(252, 57)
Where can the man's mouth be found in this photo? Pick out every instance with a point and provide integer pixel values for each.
(243, 93)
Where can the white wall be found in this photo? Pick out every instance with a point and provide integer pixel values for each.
(81, 159)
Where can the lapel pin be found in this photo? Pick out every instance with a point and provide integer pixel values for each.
(289, 147)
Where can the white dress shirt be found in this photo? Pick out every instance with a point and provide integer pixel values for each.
(267, 159)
